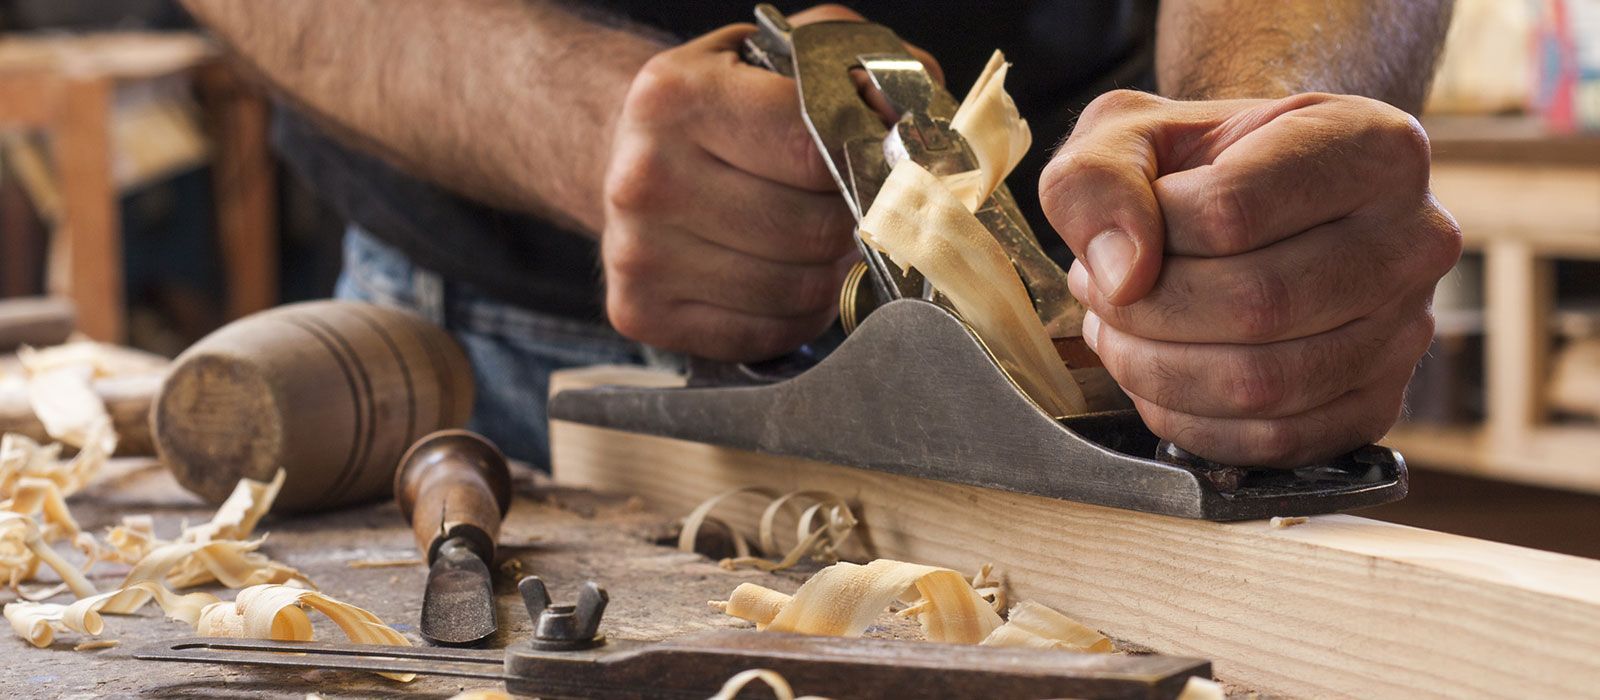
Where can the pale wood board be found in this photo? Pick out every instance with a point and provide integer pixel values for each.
(1340, 606)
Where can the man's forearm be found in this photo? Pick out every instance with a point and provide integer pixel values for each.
(511, 102)
(1384, 49)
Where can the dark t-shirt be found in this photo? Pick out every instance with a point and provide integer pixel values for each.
(1065, 52)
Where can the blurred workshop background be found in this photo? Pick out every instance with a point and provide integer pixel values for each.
(138, 182)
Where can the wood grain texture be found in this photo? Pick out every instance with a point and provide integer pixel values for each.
(1340, 606)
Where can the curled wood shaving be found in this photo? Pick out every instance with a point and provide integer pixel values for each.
(820, 542)
(753, 602)
(23, 548)
(38, 622)
(70, 410)
(701, 514)
(277, 612)
(927, 223)
(774, 680)
(1279, 523)
(131, 540)
(21, 457)
(843, 599)
(992, 126)
(988, 588)
(237, 517)
(922, 225)
(1033, 625)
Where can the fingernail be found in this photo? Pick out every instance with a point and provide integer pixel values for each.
(1078, 281)
(1110, 259)
(1091, 331)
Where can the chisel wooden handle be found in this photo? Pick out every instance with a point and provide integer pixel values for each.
(454, 484)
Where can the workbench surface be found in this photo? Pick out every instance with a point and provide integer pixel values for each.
(563, 535)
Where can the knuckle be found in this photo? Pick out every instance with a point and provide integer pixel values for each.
(660, 88)
(1259, 302)
(1273, 443)
(833, 236)
(1227, 220)
(627, 313)
(801, 150)
(626, 256)
(1255, 385)
(1073, 170)
(635, 182)
(815, 291)
(1116, 102)
(1446, 235)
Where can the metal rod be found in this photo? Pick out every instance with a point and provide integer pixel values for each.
(462, 663)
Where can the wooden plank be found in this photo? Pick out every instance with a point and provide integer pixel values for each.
(1340, 606)
(90, 226)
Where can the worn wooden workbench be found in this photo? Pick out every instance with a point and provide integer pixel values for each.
(564, 535)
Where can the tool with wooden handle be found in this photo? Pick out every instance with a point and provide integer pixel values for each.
(333, 392)
(454, 488)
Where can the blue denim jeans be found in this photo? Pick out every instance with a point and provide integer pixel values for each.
(512, 350)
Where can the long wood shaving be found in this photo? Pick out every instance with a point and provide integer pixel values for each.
(992, 126)
(844, 599)
(921, 225)
(276, 612)
(926, 223)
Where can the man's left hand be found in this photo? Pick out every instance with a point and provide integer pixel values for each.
(1260, 273)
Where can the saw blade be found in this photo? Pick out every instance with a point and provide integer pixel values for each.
(458, 605)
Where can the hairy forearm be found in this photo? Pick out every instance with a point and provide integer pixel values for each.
(1384, 49)
(511, 102)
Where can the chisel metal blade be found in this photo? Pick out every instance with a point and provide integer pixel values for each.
(458, 605)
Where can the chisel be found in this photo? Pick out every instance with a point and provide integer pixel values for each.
(453, 487)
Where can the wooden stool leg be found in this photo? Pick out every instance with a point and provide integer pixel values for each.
(245, 184)
(91, 231)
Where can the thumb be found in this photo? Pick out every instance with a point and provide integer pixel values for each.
(1096, 191)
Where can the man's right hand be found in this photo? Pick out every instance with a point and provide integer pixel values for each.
(725, 235)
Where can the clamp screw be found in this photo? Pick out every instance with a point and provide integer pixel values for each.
(564, 627)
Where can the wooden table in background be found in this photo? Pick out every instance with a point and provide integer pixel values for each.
(64, 85)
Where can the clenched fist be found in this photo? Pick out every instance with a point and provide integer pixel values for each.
(725, 235)
(1260, 273)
